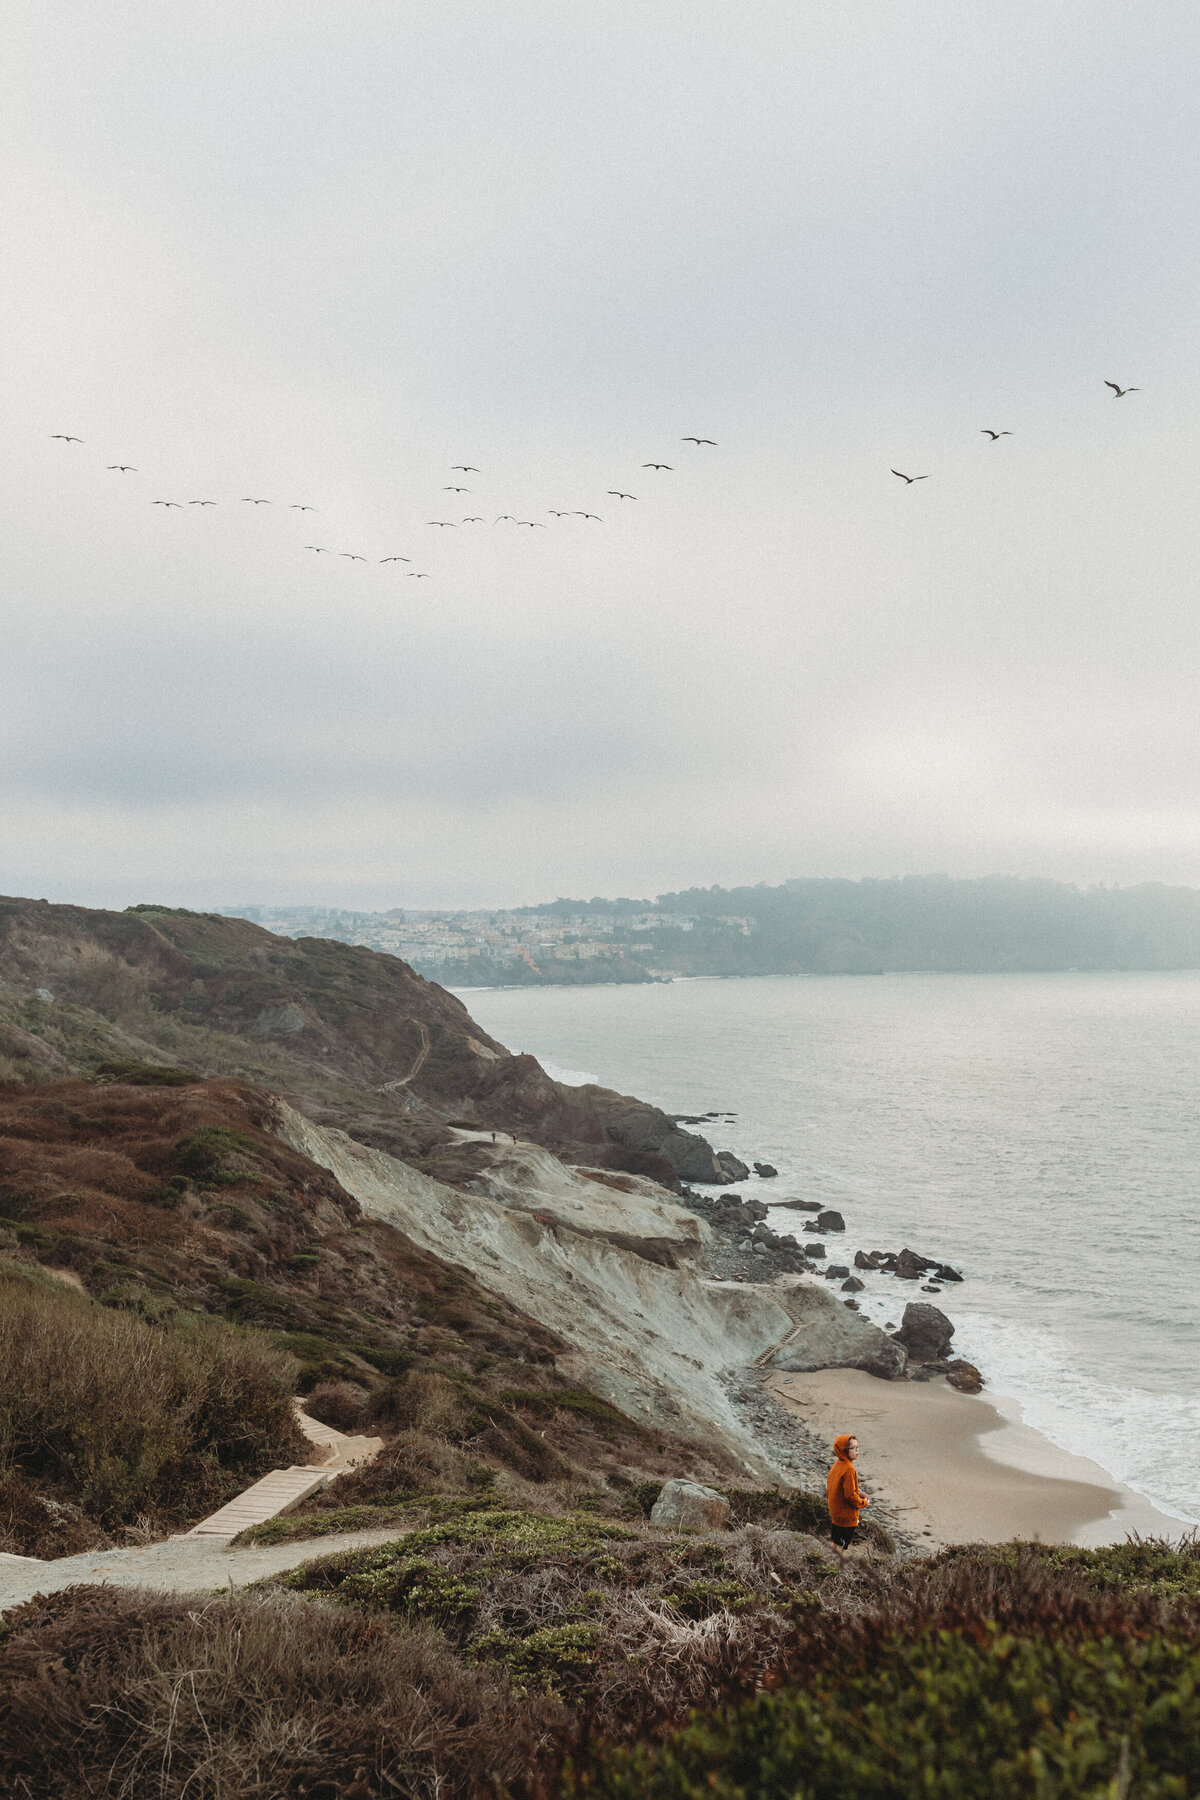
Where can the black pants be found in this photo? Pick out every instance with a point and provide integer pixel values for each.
(843, 1535)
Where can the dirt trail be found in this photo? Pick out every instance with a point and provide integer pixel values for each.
(180, 1565)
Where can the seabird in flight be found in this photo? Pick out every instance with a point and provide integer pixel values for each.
(463, 469)
(64, 439)
(994, 434)
(178, 503)
(123, 468)
(909, 478)
(694, 440)
(618, 495)
(1118, 393)
(384, 559)
(247, 501)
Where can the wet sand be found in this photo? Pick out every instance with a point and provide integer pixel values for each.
(960, 1468)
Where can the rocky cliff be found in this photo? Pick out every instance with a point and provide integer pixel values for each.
(352, 1036)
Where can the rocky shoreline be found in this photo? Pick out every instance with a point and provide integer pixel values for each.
(745, 1249)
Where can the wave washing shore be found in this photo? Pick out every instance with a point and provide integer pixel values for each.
(1036, 1132)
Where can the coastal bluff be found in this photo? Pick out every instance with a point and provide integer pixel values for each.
(352, 1037)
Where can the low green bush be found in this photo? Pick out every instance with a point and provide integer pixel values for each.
(939, 1716)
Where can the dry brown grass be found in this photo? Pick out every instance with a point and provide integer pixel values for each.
(122, 1418)
(117, 1695)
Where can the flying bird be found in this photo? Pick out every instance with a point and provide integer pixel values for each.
(417, 575)
(247, 501)
(618, 495)
(504, 516)
(202, 503)
(535, 524)
(454, 490)
(449, 522)
(123, 468)
(692, 440)
(994, 434)
(319, 548)
(1118, 394)
(596, 516)
(463, 469)
(909, 478)
(178, 503)
(557, 515)
(656, 465)
(64, 439)
(294, 508)
(351, 557)
(473, 519)
(384, 559)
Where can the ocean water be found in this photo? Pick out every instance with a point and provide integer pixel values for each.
(1039, 1132)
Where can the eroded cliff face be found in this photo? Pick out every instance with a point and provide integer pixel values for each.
(353, 1037)
(610, 1269)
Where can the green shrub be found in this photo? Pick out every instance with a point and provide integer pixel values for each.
(141, 1074)
(204, 1156)
(1149, 1566)
(554, 1657)
(939, 1716)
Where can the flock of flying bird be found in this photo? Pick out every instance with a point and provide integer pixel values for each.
(443, 524)
(617, 494)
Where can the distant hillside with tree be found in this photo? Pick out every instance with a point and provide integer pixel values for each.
(913, 922)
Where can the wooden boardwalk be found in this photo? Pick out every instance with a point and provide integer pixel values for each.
(283, 1489)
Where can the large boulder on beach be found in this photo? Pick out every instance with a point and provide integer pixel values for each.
(689, 1506)
(830, 1221)
(827, 1335)
(925, 1332)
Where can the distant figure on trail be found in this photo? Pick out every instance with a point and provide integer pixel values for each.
(493, 1137)
(845, 1497)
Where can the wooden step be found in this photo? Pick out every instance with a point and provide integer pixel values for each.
(276, 1493)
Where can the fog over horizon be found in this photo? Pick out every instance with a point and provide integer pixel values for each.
(324, 257)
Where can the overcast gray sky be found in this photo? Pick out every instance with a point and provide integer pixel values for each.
(321, 254)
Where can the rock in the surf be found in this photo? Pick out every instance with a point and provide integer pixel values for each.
(964, 1376)
(925, 1332)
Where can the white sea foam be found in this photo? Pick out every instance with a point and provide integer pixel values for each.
(1150, 1442)
(569, 1077)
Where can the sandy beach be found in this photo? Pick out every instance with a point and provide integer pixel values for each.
(961, 1468)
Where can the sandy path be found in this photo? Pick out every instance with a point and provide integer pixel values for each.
(180, 1565)
(958, 1470)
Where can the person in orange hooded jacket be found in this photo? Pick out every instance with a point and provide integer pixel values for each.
(846, 1498)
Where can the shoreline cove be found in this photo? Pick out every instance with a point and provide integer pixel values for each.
(959, 1469)
(1013, 1126)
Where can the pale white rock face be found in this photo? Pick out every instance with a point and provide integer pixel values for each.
(649, 1338)
(689, 1506)
(827, 1335)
